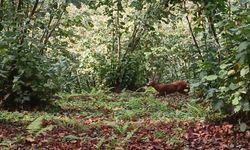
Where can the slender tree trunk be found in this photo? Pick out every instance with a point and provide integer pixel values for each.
(118, 34)
(113, 29)
(34, 8)
(192, 33)
(113, 49)
(45, 32)
(19, 4)
(211, 22)
(48, 33)
(27, 22)
(248, 63)
(78, 81)
(1, 4)
(229, 8)
(1, 10)
(203, 22)
(194, 39)
(205, 38)
(118, 40)
(213, 30)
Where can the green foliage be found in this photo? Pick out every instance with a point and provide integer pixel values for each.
(196, 110)
(129, 107)
(128, 73)
(27, 51)
(35, 125)
(243, 127)
(121, 128)
(91, 45)
(69, 138)
(26, 79)
(114, 120)
(228, 85)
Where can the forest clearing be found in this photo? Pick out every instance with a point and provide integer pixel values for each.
(125, 74)
(120, 121)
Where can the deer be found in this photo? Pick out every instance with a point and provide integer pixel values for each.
(180, 86)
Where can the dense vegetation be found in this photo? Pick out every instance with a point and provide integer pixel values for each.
(56, 47)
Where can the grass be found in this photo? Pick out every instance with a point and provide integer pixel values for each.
(113, 119)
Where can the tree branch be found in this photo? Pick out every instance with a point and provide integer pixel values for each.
(1, 3)
(46, 30)
(19, 4)
(213, 30)
(48, 34)
(34, 9)
(194, 39)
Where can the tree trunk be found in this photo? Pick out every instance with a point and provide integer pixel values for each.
(192, 33)
(213, 30)
(118, 34)
(194, 39)
(113, 31)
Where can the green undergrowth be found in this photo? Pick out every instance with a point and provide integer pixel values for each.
(125, 113)
(127, 106)
(133, 106)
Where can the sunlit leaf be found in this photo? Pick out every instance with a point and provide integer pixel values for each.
(243, 45)
(246, 106)
(231, 72)
(233, 86)
(224, 66)
(243, 127)
(236, 100)
(211, 77)
(237, 108)
(244, 71)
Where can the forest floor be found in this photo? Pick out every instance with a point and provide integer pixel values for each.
(120, 121)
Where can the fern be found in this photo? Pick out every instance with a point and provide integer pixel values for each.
(44, 130)
(35, 125)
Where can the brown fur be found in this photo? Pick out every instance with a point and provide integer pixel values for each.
(167, 88)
